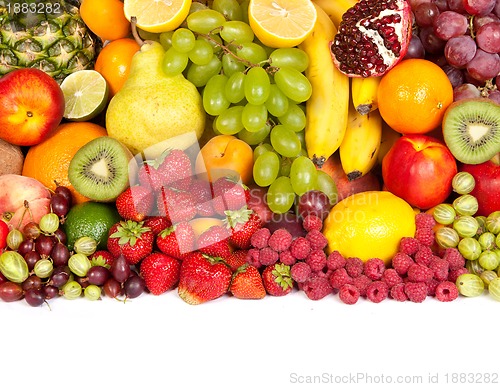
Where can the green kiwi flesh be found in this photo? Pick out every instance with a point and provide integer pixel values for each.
(100, 169)
(471, 130)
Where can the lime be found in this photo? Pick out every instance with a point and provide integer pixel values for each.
(90, 219)
(85, 95)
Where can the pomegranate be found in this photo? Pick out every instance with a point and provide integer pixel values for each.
(373, 37)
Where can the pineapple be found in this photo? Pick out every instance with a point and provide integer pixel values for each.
(49, 35)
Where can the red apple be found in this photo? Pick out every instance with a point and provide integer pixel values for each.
(419, 169)
(487, 189)
(31, 106)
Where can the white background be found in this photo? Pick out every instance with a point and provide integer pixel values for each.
(278, 341)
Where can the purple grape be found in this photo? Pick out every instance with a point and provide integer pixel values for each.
(32, 282)
(32, 257)
(120, 269)
(314, 202)
(60, 276)
(488, 37)
(479, 21)
(59, 205)
(479, 7)
(44, 244)
(494, 95)
(464, 91)
(25, 246)
(449, 24)
(134, 286)
(61, 236)
(456, 5)
(2, 278)
(425, 14)
(11, 291)
(496, 9)
(415, 48)
(60, 254)
(66, 193)
(34, 297)
(484, 65)
(460, 50)
(432, 44)
(50, 292)
(442, 5)
(112, 288)
(98, 275)
(456, 76)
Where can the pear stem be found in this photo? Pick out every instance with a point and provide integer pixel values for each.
(135, 34)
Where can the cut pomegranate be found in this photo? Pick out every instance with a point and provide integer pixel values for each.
(373, 37)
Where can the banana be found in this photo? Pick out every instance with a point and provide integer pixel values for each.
(361, 144)
(364, 94)
(335, 8)
(327, 108)
(389, 137)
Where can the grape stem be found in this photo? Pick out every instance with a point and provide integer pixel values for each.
(135, 34)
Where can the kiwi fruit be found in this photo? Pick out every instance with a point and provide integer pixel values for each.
(100, 169)
(471, 130)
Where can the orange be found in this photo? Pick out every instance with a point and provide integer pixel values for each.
(49, 160)
(113, 62)
(413, 96)
(105, 18)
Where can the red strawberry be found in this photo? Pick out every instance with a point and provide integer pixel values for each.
(247, 283)
(176, 205)
(177, 240)
(202, 193)
(236, 259)
(176, 169)
(149, 176)
(157, 223)
(130, 239)
(277, 279)
(101, 258)
(203, 278)
(135, 203)
(215, 242)
(243, 223)
(229, 195)
(160, 272)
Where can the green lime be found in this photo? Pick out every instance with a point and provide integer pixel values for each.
(90, 219)
(85, 95)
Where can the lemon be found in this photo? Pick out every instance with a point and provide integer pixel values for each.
(369, 225)
(157, 16)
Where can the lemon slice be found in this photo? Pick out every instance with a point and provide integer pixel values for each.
(282, 23)
(157, 15)
(85, 95)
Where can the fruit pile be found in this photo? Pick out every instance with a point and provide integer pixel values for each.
(221, 149)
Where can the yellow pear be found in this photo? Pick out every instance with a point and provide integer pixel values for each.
(153, 111)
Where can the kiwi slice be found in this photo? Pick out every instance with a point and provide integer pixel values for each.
(471, 130)
(100, 169)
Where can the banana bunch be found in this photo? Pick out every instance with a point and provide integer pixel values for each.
(335, 8)
(364, 94)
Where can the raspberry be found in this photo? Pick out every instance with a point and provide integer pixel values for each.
(374, 268)
(419, 273)
(440, 267)
(260, 237)
(454, 258)
(335, 261)
(424, 220)
(339, 278)
(416, 291)
(280, 240)
(300, 248)
(377, 291)
(317, 260)
(454, 274)
(300, 272)
(312, 222)
(354, 266)
(397, 292)
(424, 255)
(391, 277)
(401, 262)
(349, 294)
(446, 291)
(267, 256)
(431, 287)
(253, 258)
(317, 287)
(361, 283)
(316, 239)
(409, 245)
(425, 236)
(287, 258)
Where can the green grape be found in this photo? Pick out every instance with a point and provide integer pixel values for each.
(251, 52)
(196, 6)
(473, 267)
(489, 260)
(470, 285)
(444, 213)
(302, 137)
(290, 57)
(303, 175)
(205, 21)
(293, 84)
(327, 185)
(234, 89)
(285, 166)
(214, 98)
(463, 183)
(277, 103)
(202, 52)
(235, 31)
(229, 8)
(244, 10)
(469, 248)
(447, 237)
(487, 241)
(266, 169)
(487, 276)
(254, 138)
(280, 196)
(466, 226)
(231, 65)
(494, 288)
(183, 40)
(254, 117)
(199, 75)
(174, 62)
(166, 39)
(294, 118)
(92, 292)
(497, 241)
(493, 222)
(466, 205)
(284, 141)
(71, 290)
(215, 42)
(229, 121)
(257, 86)
(262, 148)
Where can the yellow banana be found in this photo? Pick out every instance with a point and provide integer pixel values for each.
(364, 94)
(389, 137)
(327, 108)
(361, 144)
(335, 8)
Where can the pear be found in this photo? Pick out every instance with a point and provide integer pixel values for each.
(153, 111)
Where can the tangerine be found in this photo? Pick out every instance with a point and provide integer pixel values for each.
(413, 96)
(48, 161)
(105, 18)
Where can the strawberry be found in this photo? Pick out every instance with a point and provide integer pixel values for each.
(247, 284)
(202, 193)
(176, 205)
(101, 258)
(177, 240)
(215, 242)
(160, 272)
(277, 279)
(149, 176)
(203, 278)
(243, 223)
(229, 195)
(135, 203)
(157, 223)
(176, 169)
(130, 239)
(236, 259)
